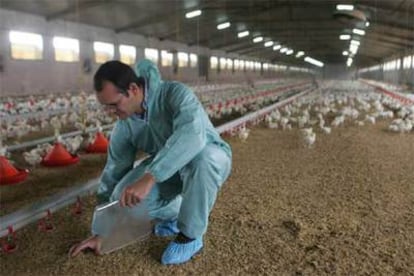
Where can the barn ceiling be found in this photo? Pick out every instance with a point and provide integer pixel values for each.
(312, 26)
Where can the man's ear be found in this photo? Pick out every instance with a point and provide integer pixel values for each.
(134, 88)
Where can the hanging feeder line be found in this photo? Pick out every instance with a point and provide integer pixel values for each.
(45, 224)
(34, 143)
(36, 211)
(42, 114)
(49, 139)
(393, 94)
(48, 113)
(9, 244)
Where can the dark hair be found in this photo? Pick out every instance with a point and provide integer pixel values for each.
(120, 74)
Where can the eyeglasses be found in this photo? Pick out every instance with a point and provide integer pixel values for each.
(115, 104)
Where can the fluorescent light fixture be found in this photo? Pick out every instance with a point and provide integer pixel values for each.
(367, 24)
(355, 42)
(283, 50)
(358, 31)
(243, 34)
(314, 61)
(345, 37)
(344, 7)
(353, 48)
(345, 53)
(299, 54)
(289, 52)
(223, 25)
(268, 43)
(277, 47)
(192, 14)
(349, 62)
(257, 39)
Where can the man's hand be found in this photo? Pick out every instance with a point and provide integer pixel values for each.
(135, 193)
(93, 243)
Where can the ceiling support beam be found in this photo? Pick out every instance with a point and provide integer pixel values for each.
(78, 6)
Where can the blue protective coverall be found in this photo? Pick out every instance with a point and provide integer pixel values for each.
(187, 156)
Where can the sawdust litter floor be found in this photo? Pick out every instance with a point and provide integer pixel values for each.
(343, 207)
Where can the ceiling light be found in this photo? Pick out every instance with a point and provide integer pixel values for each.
(283, 50)
(192, 14)
(289, 52)
(243, 34)
(353, 48)
(345, 7)
(344, 37)
(300, 53)
(367, 24)
(223, 25)
(277, 47)
(314, 61)
(349, 62)
(358, 31)
(355, 42)
(345, 53)
(257, 39)
(268, 43)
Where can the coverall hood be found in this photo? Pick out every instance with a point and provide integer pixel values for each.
(149, 71)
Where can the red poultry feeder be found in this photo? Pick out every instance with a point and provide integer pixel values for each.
(9, 174)
(100, 145)
(59, 156)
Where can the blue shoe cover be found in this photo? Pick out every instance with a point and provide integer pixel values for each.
(178, 253)
(166, 228)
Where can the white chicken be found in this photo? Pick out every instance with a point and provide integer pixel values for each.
(307, 131)
(44, 148)
(338, 121)
(56, 124)
(269, 122)
(309, 136)
(326, 130)
(32, 157)
(283, 122)
(272, 125)
(243, 133)
(73, 144)
(3, 150)
(310, 139)
(370, 119)
(407, 126)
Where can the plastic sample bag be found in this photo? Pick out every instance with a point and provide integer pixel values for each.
(121, 226)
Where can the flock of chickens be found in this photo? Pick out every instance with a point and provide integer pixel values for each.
(331, 106)
(24, 117)
(336, 104)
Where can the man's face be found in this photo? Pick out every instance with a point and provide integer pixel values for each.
(118, 103)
